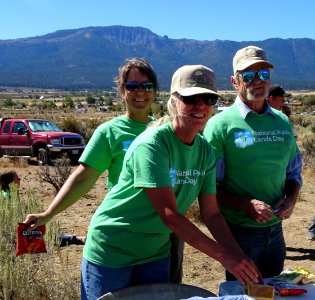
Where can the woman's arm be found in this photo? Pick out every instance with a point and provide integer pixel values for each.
(78, 184)
(164, 201)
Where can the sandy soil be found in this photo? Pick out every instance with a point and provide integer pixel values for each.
(199, 270)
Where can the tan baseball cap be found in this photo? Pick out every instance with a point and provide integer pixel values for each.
(249, 56)
(193, 80)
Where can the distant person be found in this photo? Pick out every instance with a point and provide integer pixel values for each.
(258, 164)
(6, 179)
(165, 169)
(276, 99)
(311, 231)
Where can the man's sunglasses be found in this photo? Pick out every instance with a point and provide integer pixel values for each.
(208, 99)
(146, 86)
(249, 76)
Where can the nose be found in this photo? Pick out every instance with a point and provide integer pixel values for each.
(200, 101)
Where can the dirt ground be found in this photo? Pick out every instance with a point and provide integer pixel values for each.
(199, 270)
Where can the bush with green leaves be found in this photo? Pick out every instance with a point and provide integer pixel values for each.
(308, 100)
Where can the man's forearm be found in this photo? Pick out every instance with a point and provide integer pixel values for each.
(226, 199)
(291, 190)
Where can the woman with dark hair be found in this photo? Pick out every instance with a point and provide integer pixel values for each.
(6, 178)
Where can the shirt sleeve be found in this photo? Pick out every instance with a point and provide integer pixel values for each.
(153, 171)
(97, 154)
(220, 169)
(294, 169)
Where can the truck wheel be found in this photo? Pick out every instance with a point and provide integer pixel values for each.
(42, 157)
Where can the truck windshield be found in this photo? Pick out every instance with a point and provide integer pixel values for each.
(43, 125)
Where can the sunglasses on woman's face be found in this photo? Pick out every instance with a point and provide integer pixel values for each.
(249, 76)
(208, 99)
(146, 86)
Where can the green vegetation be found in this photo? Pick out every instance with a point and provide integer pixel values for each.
(30, 277)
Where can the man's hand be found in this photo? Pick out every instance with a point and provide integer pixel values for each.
(285, 208)
(259, 211)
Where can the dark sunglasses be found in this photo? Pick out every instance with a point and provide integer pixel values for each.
(249, 76)
(137, 86)
(208, 99)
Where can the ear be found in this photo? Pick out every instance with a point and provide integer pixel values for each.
(234, 83)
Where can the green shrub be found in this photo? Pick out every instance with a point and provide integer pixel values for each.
(30, 277)
(308, 100)
(308, 144)
(84, 127)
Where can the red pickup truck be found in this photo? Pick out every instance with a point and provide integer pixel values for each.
(38, 138)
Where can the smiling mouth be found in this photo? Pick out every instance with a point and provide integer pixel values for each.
(140, 100)
(198, 116)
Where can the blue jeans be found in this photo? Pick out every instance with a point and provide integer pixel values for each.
(97, 280)
(265, 246)
(176, 259)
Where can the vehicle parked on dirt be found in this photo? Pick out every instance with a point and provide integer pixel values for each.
(42, 139)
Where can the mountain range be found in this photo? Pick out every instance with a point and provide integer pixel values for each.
(88, 58)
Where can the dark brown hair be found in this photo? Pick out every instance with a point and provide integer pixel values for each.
(6, 178)
(134, 63)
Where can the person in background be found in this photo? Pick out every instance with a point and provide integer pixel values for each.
(6, 178)
(165, 169)
(276, 99)
(311, 231)
(258, 164)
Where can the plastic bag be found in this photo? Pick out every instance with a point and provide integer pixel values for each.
(30, 241)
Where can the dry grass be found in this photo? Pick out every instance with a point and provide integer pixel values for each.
(30, 277)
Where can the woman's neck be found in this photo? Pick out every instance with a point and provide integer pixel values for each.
(185, 134)
(141, 118)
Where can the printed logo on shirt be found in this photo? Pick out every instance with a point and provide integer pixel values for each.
(278, 136)
(182, 177)
(173, 176)
(243, 139)
(246, 138)
(126, 144)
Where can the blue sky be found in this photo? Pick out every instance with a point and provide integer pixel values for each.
(233, 20)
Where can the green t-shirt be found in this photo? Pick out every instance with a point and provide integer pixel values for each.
(5, 194)
(256, 151)
(126, 229)
(108, 145)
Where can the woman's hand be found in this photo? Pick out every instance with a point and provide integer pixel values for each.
(242, 267)
(34, 220)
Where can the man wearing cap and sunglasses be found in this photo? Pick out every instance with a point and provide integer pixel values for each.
(258, 164)
(276, 99)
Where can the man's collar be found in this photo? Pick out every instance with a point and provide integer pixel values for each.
(244, 109)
